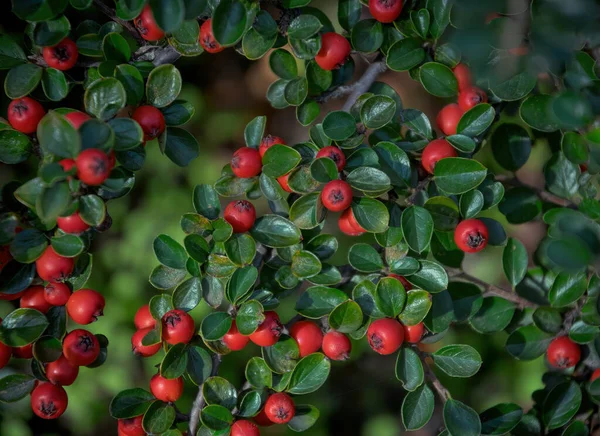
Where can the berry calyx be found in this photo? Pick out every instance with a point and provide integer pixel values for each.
(177, 327)
(81, 347)
(337, 195)
(348, 224)
(284, 182)
(246, 162)
(61, 56)
(72, 224)
(471, 97)
(167, 390)
(385, 335)
(308, 335)
(33, 298)
(401, 279)
(143, 318)
(448, 118)
(53, 267)
(146, 25)
(131, 426)
(241, 215)
(24, 352)
(435, 151)
(337, 346)
(24, 114)
(49, 401)
(61, 371)
(268, 142)
(280, 408)
(151, 120)
(244, 428)
(595, 375)
(463, 77)
(335, 154)
(77, 118)
(563, 353)
(57, 294)
(471, 235)
(334, 51)
(93, 166)
(234, 340)
(85, 306)
(207, 38)
(413, 333)
(139, 349)
(385, 11)
(268, 331)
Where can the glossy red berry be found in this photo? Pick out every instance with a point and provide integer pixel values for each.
(177, 327)
(24, 352)
(85, 306)
(448, 118)
(139, 349)
(61, 56)
(268, 331)
(463, 77)
(52, 267)
(385, 335)
(337, 195)
(48, 401)
(385, 11)
(262, 419)
(57, 294)
(284, 182)
(81, 347)
(151, 120)
(471, 235)
(435, 151)
(143, 318)
(280, 408)
(207, 38)
(77, 118)
(413, 333)
(131, 426)
(244, 428)
(335, 154)
(268, 142)
(471, 97)
(93, 166)
(234, 340)
(246, 162)
(146, 25)
(241, 215)
(72, 223)
(348, 224)
(61, 372)
(24, 114)
(167, 390)
(5, 354)
(337, 346)
(33, 298)
(334, 51)
(67, 164)
(405, 283)
(595, 375)
(563, 353)
(308, 335)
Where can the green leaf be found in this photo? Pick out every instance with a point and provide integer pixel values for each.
(11, 54)
(440, 16)
(305, 264)
(304, 27)
(377, 111)
(368, 179)
(536, 111)
(409, 369)
(318, 301)
(432, 277)
(28, 245)
(21, 80)
(104, 98)
(339, 125)
(438, 79)
(58, 136)
(371, 214)
(367, 36)
(283, 64)
(494, 315)
(158, 418)
(175, 362)
(258, 373)
(417, 307)
(514, 261)
(68, 245)
(115, 48)
(22, 326)
(241, 283)
(561, 404)
(567, 289)
(405, 54)
(309, 374)
(417, 408)
(249, 317)
(217, 390)
(15, 387)
(169, 252)
(346, 317)
(216, 417)
(229, 22)
(364, 258)
(390, 297)
(441, 314)
(54, 84)
(394, 162)
(515, 87)
(169, 14)
(130, 403)
(215, 325)
(206, 201)
(417, 227)
(460, 419)
(456, 175)
(181, 146)
(305, 417)
(520, 205)
(500, 419)
(476, 120)
(283, 356)
(275, 231)
(199, 365)
(133, 83)
(163, 277)
(163, 85)
(53, 201)
(188, 294)
(280, 160)
(16, 147)
(458, 360)
(511, 145)
(561, 176)
(528, 342)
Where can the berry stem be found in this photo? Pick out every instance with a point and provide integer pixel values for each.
(543, 194)
(199, 402)
(363, 84)
(439, 388)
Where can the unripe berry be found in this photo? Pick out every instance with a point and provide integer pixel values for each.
(413, 333)
(33, 298)
(241, 215)
(563, 353)
(385, 335)
(5, 354)
(471, 235)
(268, 331)
(234, 340)
(280, 408)
(24, 352)
(246, 162)
(93, 166)
(139, 349)
(24, 114)
(463, 77)
(151, 120)
(48, 401)
(385, 11)
(72, 223)
(401, 279)
(131, 426)
(348, 224)
(81, 347)
(337, 195)
(146, 25)
(167, 390)
(308, 335)
(85, 306)
(334, 51)
(435, 151)
(207, 38)
(335, 154)
(595, 375)
(57, 294)
(244, 428)
(53, 267)
(448, 118)
(61, 371)
(76, 119)
(268, 142)
(143, 318)
(284, 182)
(471, 97)
(337, 346)
(61, 56)
(177, 327)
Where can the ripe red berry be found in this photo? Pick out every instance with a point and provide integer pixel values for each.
(262, 419)
(93, 166)
(207, 38)
(436, 150)
(349, 225)
(337, 195)
(268, 331)
(234, 340)
(241, 215)
(24, 114)
(48, 401)
(463, 77)
(385, 11)
(5, 354)
(61, 56)
(471, 97)
(146, 25)
(139, 349)
(24, 352)
(177, 327)
(72, 223)
(246, 162)
(337, 346)
(131, 426)
(284, 182)
(413, 333)
(280, 408)
(67, 164)
(85, 306)
(57, 294)
(52, 267)
(167, 390)
(81, 347)
(563, 353)
(33, 298)
(244, 428)
(385, 335)
(268, 142)
(595, 375)
(448, 118)
(405, 283)
(62, 372)
(143, 318)
(308, 335)
(334, 51)
(334, 154)
(471, 235)
(151, 120)
(77, 118)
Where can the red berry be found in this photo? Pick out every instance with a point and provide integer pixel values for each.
(268, 331)
(72, 223)
(5, 354)
(81, 347)
(167, 390)
(48, 401)
(234, 340)
(463, 77)
(246, 162)
(244, 428)
(67, 164)
(337, 346)
(33, 298)
(268, 142)
(11, 297)
(77, 118)
(93, 166)
(349, 225)
(177, 327)
(405, 283)
(146, 25)
(280, 408)
(448, 118)
(207, 38)
(385, 335)
(284, 182)
(139, 349)
(595, 375)
(241, 215)
(413, 333)
(308, 335)
(471, 235)
(471, 97)
(5, 256)
(24, 114)
(563, 353)
(335, 154)
(85, 306)
(57, 294)
(434, 151)
(385, 11)
(131, 426)
(337, 195)
(334, 51)
(62, 372)
(262, 419)
(151, 120)
(52, 267)
(24, 352)
(61, 56)
(143, 318)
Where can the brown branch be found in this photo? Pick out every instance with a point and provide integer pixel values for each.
(199, 402)
(363, 84)
(420, 186)
(110, 13)
(543, 194)
(439, 388)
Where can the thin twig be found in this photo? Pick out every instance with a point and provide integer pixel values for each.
(340, 91)
(110, 13)
(363, 84)
(199, 402)
(440, 389)
(420, 186)
(543, 194)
